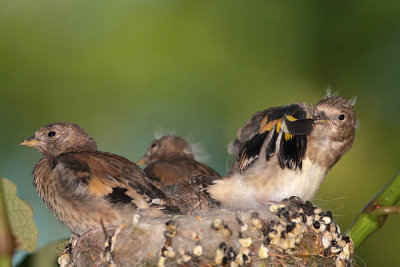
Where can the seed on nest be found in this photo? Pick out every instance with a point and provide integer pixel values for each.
(239, 260)
(195, 236)
(246, 259)
(337, 228)
(329, 214)
(341, 243)
(335, 250)
(243, 226)
(266, 238)
(226, 231)
(198, 250)
(326, 239)
(308, 208)
(255, 220)
(164, 251)
(274, 241)
(245, 242)
(169, 252)
(161, 262)
(322, 227)
(263, 252)
(171, 229)
(243, 256)
(281, 227)
(318, 211)
(283, 244)
(290, 227)
(297, 219)
(339, 263)
(185, 255)
(231, 254)
(300, 228)
(275, 207)
(216, 225)
(283, 213)
(346, 238)
(291, 241)
(186, 258)
(64, 259)
(336, 236)
(326, 220)
(342, 256)
(303, 217)
(309, 221)
(346, 250)
(219, 254)
(283, 235)
(273, 234)
(295, 199)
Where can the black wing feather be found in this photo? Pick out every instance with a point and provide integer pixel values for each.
(291, 150)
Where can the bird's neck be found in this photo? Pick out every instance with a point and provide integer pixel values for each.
(324, 151)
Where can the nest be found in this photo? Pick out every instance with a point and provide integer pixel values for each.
(289, 233)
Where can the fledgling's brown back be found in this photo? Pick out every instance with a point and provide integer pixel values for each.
(170, 161)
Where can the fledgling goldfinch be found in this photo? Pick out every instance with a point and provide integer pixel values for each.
(84, 187)
(286, 151)
(170, 160)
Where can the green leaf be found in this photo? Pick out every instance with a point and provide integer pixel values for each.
(45, 256)
(20, 216)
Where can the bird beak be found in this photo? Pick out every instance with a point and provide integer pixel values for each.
(321, 118)
(31, 142)
(142, 161)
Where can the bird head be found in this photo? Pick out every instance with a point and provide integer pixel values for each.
(337, 117)
(57, 138)
(169, 144)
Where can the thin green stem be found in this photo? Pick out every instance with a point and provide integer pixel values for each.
(386, 211)
(373, 216)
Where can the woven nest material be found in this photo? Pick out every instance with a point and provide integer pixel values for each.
(290, 233)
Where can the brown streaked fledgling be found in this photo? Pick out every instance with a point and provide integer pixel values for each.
(170, 160)
(286, 151)
(83, 186)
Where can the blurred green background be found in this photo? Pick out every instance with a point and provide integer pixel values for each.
(125, 69)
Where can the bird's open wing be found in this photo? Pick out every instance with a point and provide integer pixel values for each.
(282, 131)
(108, 176)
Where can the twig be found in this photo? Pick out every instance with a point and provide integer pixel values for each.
(373, 216)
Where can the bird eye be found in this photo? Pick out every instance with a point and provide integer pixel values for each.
(51, 134)
(341, 117)
(153, 145)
